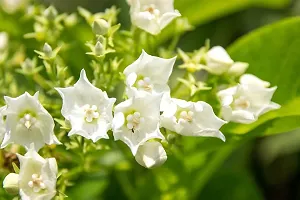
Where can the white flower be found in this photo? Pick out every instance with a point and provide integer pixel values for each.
(11, 6)
(150, 74)
(245, 102)
(37, 177)
(136, 120)
(152, 15)
(192, 119)
(249, 79)
(88, 109)
(27, 121)
(3, 41)
(151, 154)
(218, 61)
(11, 183)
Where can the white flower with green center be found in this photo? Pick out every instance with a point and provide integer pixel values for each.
(192, 119)
(150, 74)
(152, 15)
(88, 109)
(136, 120)
(248, 100)
(151, 154)
(37, 177)
(27, 121)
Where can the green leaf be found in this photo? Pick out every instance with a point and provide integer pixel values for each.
(257, 48)
(201, 11)
(16, 168)
(273, 55)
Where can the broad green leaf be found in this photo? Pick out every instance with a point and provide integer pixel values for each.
(201, 11)
(273, 55)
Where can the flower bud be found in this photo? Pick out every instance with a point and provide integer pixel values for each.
(99, 49)
(50, 13)
(238, 68)
(151, 154)
(47, 49)
(100, 27)
(28, 65)
(218, 61)
(11, 183)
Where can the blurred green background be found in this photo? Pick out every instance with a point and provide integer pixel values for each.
(261, 168)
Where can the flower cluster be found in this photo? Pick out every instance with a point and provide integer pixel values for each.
(150, 115)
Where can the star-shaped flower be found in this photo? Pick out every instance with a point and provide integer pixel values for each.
(192, 119)
(27, 121)
(150, 74)
(37, 177)
(88, 109)
(136, 120)
(248, 100)
(152, 15)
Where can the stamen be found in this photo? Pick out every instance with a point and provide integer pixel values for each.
(145, 84)
(186, 116)
(134, 120)
(91, 112)
(28, 120)
(36, 183)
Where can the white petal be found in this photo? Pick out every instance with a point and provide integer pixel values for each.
(145, 21)
(168, 18)
(249, 79)
(118, 121)
(242, 116)
(238, 68)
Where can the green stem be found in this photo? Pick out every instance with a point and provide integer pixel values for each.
(175, 90)
(202, 178)
(126, 185)
(41, 81)
(174, 42)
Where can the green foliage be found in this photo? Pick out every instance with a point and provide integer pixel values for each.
(201, 11)
(195, 165)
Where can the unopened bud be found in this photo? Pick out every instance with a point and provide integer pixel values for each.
(238, 68)
(98, 49)
(100, 27)
(151, 154)
(11, 183)
(47, 49)
(50, 13)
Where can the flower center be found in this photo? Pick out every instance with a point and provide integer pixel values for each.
(28, 120)
(134, 120)
(91, 112)
(186, 116)
(145, 84)
(36, 183)
(241, 103)
(152, 10)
